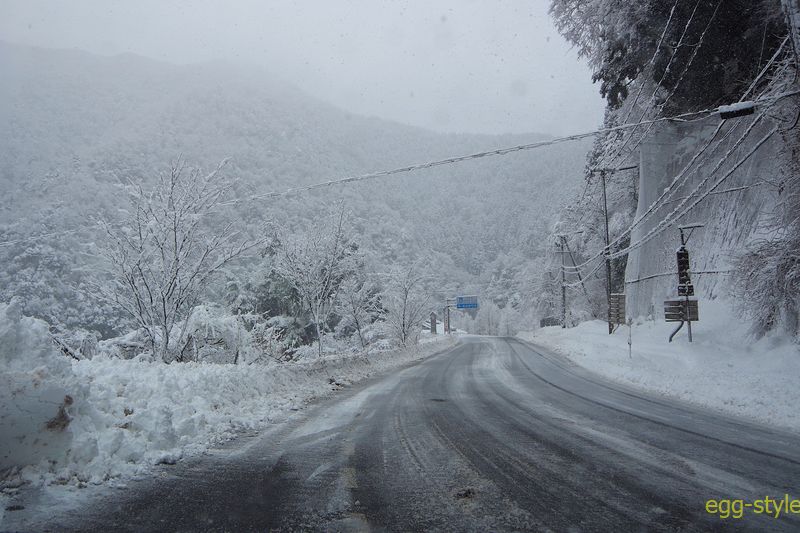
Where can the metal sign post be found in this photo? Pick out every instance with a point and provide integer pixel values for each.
(681, 311)
(630, 338)
(685, 310)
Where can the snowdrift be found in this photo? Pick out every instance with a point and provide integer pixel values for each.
(68, 421)
(37, 390)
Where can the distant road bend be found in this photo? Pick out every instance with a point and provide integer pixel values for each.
(490, 435)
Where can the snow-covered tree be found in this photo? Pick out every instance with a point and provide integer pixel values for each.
(357, 306)
(767, 278)
(405, 304)
(163, 255)
(315, 263)
(700, 53)
(461, 217)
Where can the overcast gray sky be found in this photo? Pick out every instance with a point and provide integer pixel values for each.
(450, 65)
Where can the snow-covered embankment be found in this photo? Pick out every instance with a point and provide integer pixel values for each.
(723, 368)
(67, 421)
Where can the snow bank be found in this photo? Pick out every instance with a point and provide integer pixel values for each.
(36, 391)
(722, 369)
(124, 415)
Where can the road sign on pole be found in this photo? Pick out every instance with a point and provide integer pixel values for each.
(616, 308)
(433, 322)
(466, 302)
(686, 310)
(681, 310)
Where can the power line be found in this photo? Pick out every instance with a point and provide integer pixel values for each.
(674, 216)
(683, 117)
(661, 106)
(674, 186)
(37, 237)
(665, 274)
(676, 183)
(667, 221)
(764, 70)
(618, 156)
(670, 190)
(672, 58)
(586, 277)
(653, 58)
(584, 212)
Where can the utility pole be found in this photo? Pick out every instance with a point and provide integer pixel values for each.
(603, 172)
(563, 283)
(607, 251)
(448, 303)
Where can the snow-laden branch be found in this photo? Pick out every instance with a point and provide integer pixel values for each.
(163, 256)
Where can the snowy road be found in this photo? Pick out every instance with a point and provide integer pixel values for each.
(490, 435)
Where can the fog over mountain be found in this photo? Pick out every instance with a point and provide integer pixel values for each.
(76, 127)
(449, 65)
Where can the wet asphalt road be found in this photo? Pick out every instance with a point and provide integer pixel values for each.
(491, 435)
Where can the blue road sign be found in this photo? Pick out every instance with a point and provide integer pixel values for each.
(466, 302)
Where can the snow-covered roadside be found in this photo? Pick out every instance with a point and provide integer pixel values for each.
(722, 369)
(66, 421)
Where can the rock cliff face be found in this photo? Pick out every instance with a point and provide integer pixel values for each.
(737, 201)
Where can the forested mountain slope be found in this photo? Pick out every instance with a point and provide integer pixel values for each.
(75, 127)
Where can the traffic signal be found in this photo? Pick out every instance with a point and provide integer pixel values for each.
(685, 287)
(683, 266)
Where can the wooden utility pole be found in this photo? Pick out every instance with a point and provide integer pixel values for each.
(607, 253)
(603, 172)
(448, 303)
(563, 283)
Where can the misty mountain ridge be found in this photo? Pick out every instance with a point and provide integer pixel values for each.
(74, 126)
